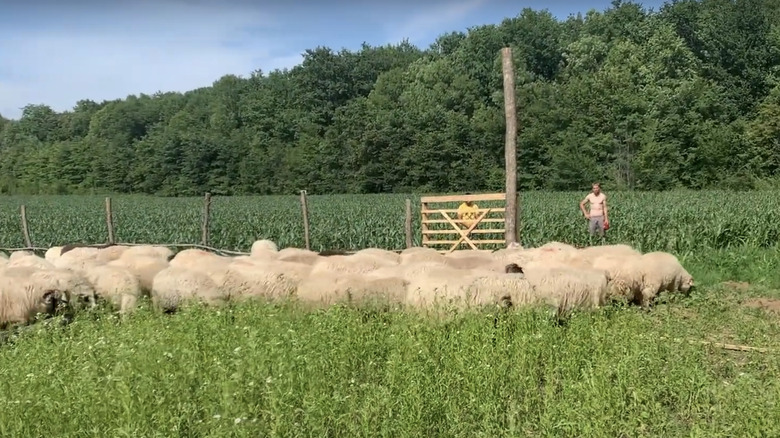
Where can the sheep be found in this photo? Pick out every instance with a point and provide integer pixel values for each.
(330, 288)
(661, 272)
(76, 287)
(264, 249)
(440, 287)
(173, 286)
(116, 285)
(19, 254)
(390, 256)
(31, 260)
(143, 267)
(625, 280)
(567, 288)
(640, 278)
(52, 254)
(207, 262)
(298, 255)
(469, 259)
(510, 289)
(23, 298)
(591, 252)
(353, 264)
(161, 252)
(78, 258)
(513, 268)
(421, 254)
(110, 253)
(245, 279)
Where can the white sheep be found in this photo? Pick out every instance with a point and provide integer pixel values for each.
(275, 280)
(390, 256)
(640, 278)
(162, 252)
(52, 254)
(76, 287)
(116, 285)
(329, 288)
(19, 254)
(31, 260)
(591, 252)
(569, 288)
(662, 272)
(421, 254)
(264, 249)
(174, 286)
(351, 264)
(22, 298)
(111, 253)
(298, 255)
(143, 267)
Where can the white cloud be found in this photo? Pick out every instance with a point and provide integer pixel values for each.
(433, 20)
(166, 46)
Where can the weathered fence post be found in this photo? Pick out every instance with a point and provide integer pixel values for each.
(204, 240)
(25, 227)
(408, 223)
(510, 145)
(110, 221)
(305, 210)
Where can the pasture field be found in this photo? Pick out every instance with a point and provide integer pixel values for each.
(678, 221)
(264, 369)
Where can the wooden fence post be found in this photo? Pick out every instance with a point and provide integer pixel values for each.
(305, 211)
(25, 228)
(110, 221)
(510, 146)
(408, 223)
(204, 240)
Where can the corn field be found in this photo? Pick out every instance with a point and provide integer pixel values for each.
(676, 221)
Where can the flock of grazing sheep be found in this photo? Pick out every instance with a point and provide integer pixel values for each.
(555, 274)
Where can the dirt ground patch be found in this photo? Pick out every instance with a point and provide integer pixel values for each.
(769, 304)
(740, 286)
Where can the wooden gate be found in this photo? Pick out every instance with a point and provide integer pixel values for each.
(439, 219)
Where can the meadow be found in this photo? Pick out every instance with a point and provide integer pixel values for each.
(275, 370)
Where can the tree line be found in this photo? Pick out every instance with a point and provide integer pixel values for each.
(684, 97)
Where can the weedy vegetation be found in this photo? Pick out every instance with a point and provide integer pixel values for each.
(260, 369)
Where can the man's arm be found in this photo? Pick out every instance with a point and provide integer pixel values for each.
(606, 214)
(582, 206)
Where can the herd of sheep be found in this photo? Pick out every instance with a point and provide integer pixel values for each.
(555, 274)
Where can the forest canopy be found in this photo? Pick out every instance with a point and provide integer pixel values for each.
(684, 97)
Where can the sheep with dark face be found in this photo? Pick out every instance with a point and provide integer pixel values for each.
(513, 268)
(24, 297)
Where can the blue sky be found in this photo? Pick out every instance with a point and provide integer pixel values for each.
(57, 54)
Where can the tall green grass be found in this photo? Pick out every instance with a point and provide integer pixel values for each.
(679, 222)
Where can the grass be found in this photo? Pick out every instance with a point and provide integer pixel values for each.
(275, 370)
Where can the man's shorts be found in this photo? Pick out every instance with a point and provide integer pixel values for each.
(596, 225)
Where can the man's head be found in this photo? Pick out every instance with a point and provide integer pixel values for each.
(596, 188)
(469, 203)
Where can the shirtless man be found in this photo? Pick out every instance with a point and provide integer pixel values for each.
(598, 214)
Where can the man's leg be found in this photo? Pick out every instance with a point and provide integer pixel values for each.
(596, 226)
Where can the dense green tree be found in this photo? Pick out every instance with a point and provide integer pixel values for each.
(688, 96)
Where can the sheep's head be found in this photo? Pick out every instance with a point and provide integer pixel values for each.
(51, 301)
(513, 268)
(686, 283)
(82, 294)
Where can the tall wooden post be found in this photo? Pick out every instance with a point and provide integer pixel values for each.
(305, 212)
(204, 228)
(510, 145)
(408, 223)
(110, 222)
